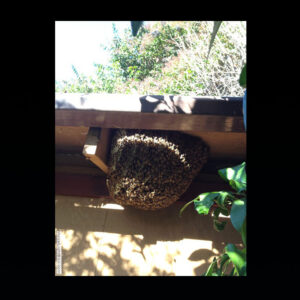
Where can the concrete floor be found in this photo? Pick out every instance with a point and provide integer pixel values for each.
(98, 237)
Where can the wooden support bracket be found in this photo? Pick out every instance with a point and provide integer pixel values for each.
(97, 146)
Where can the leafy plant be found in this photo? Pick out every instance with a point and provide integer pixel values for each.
(231, 204)
(242, 79)
(217, 25)
(225, 202)
(169, 58)
(135, 26)
(200, 82)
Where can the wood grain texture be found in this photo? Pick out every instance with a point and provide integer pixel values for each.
(222, 144)
(150, 112)
(83, 185)
(103, 146)
(70, 138)
(137, 120)
(229, 106)
(96, 147)
(76, 176)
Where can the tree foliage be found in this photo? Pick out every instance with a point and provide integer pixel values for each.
(231, 204)
(170, 58)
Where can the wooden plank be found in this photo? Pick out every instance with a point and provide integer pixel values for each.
(73, 159)
(95, 186)
(224, 144)
(96, 147)
(226, 106)
(150, 112)
(80, 185)
(70, 138)
(77, 163)
(79, 170)
(138, 120)
(103, 146)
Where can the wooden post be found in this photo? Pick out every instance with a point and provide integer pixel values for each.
(96, 147)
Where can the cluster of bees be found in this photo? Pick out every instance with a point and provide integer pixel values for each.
(151, 169)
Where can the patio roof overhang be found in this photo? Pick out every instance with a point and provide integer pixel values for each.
(183, 113)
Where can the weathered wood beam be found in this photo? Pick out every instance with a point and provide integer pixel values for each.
(150, 112)
(96, 147)
(83, 185)
(85, 182)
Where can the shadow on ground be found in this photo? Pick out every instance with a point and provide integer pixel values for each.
(126, 241)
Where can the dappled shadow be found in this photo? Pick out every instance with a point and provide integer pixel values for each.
(63, 104)
(203, 256)
(64, 101)
(74, 261)
(192, 105)
(158, 104)
(206, 256)
(200, 254)
(125, 241)
(91, 254)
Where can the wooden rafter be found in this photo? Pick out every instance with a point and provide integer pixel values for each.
(211, 114)
(96, 147)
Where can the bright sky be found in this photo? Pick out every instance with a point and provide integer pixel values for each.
(78, 43)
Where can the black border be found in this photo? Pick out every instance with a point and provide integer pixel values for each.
(27, 166)
(28, 148)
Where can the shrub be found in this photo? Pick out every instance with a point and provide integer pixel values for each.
(170, 59)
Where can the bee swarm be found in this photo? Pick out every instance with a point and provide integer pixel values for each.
(151, 169)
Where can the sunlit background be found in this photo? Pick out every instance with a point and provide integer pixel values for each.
(80, 43)
(166, 57)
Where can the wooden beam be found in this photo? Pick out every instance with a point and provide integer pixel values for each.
(76, 163)
(80, 185)
(88, 183)
(150, 112)
(70, 138)
(136, 120)
(95, 186)
(226, 106)
(223, 144)
(96, 147)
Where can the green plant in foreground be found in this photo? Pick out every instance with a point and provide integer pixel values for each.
(231, 204)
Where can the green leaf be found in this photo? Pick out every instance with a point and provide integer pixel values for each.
(185, 206)
(243, 271)
(219, 225)
(212, 268)
(217, 25)
(223, 273)
(135, 26)
(216, 213)
(244, 233)
(232, 272)
(206, 201)
(238, 214)
(224, 212)
(236, 176)
(223, 263)
(237, 257)
(223, 195)
(242, 79)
